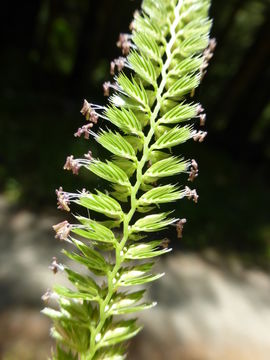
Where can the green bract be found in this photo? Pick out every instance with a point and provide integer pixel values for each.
(149, 112)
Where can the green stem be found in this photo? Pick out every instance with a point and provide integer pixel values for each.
(120, 258)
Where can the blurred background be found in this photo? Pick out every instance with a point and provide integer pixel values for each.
(215, 300)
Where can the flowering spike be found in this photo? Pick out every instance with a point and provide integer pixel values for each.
(151, 113)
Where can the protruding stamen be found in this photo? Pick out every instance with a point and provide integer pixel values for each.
(179, 228)
(112, 68)
(88, 156)
(75, 164)
(89, 112)
(62, 200)
(47, 296)
(191, 194)
(84, 130)
(117, 63)
(72, 164)
(165, 243)
(62, 230)
(55, 266)
(207, 56)
(194, 171)
(200, 136)
(106, 88)
(124, 43)
(202, 118)
(86, 109)
(199, 109)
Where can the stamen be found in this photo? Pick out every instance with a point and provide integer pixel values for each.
(124, 43)
(202, 118)
(207, 56)
(84, 130)
(200, 136)
(191, 194)
(55, 266)
(62, 230)
(88, 110)
(106, 88)
(62, 200)
(88, 156)
(47, 296)
(165, 243)
(72, 164)
(194, 171)
(179, 227)
(200, 109)
(119, 63)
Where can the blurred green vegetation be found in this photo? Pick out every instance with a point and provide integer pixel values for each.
(56, 53)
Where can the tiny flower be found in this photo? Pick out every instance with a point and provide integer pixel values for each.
(194, 164)
(126, 47)
(191, 194)
(106, 88)
(72, 164)
(207, 56)
(62, 230)
(75, 164)
(179, 228)
(86, 109)
(55, 267)
(120, 63)
(122, 38)
(212, 44)
(78, 133)
(112, 68)
(165, 243)
(193, 170)
(84, 192)
(202, 118)
(84, 130)
(200, 136)
(47, 296)
(124, 43)
(200, 109)
(88, 155)
(93, 116)
(62, 201)
(132, 25)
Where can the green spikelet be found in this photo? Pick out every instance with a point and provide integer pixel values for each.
(150, 110)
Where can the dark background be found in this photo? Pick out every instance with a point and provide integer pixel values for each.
(55, 53)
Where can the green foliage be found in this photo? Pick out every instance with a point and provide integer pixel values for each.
(148, 108)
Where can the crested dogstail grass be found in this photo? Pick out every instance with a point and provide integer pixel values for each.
(151, 110)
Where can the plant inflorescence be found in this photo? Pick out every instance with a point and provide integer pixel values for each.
(149, 111)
